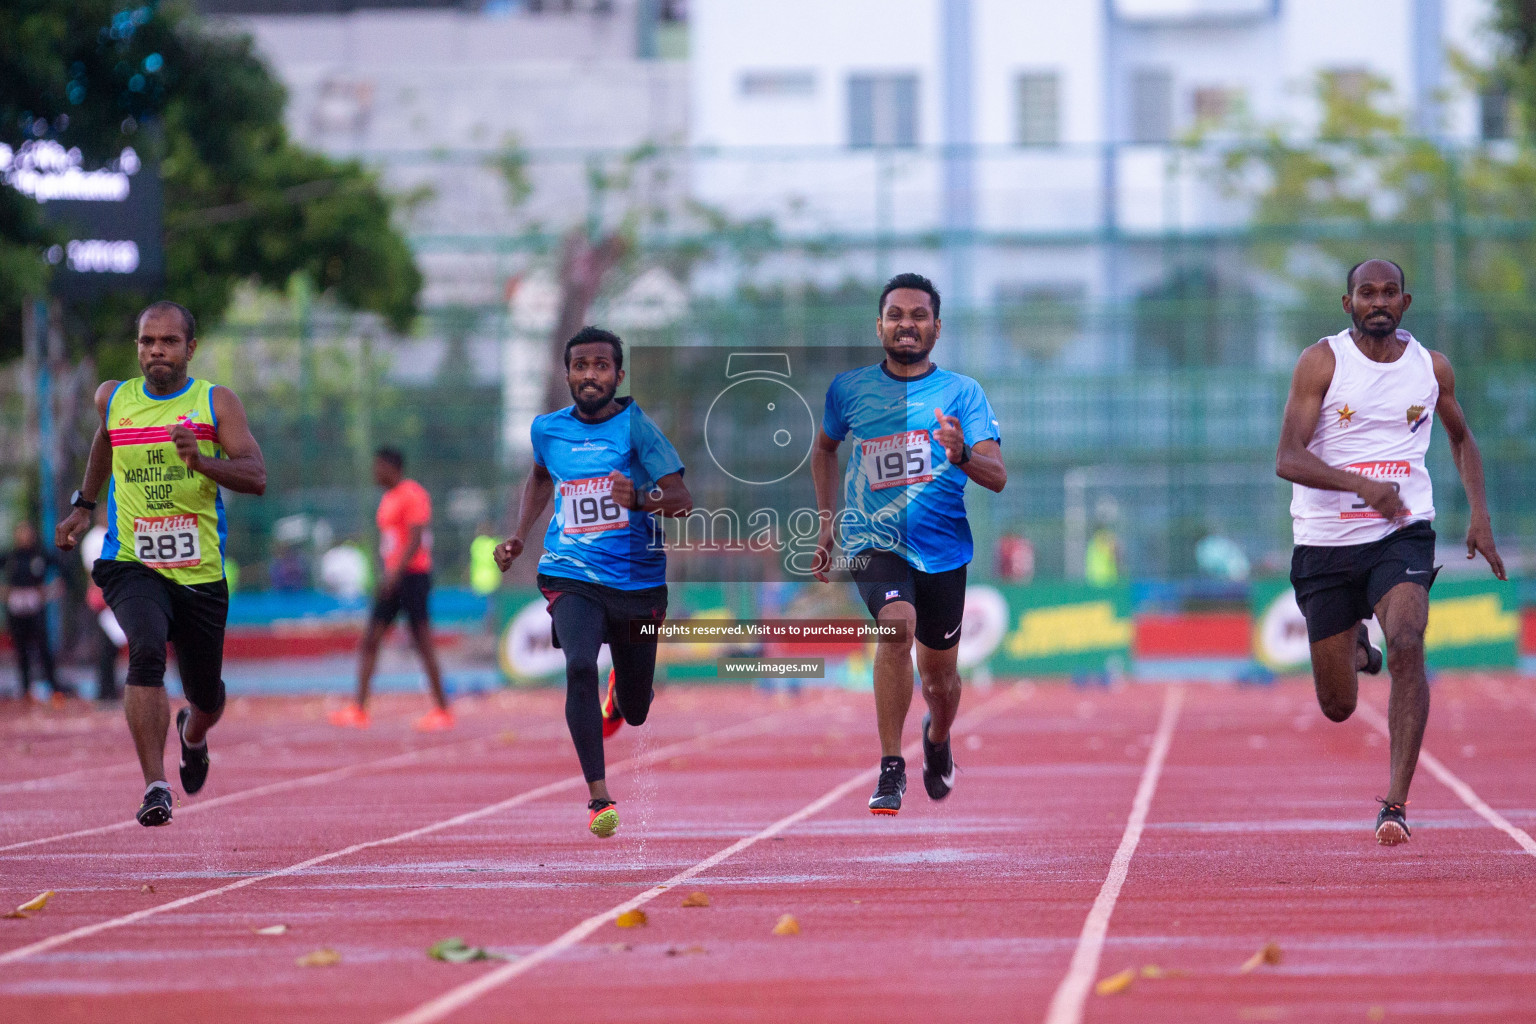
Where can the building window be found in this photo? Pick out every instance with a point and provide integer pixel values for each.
(1493, 113)
(882, 110)
(1151, 105)
(778, 84)
(1038, 95)
(1215, 105)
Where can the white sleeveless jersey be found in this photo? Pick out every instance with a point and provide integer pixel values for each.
(1376, 420)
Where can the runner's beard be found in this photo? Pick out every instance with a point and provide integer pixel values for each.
(1363, 326)
(908, 356)
(592, 406)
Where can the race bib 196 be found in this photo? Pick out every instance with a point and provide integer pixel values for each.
(587, 506)
(167, 542)
(898, 460)
(1352, 506)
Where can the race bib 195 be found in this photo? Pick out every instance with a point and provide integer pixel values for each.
(898, 460)
(1352, 506)
(587, 506)
(168, 542)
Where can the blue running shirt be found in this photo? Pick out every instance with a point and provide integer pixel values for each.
(590, 537)
(901, 493)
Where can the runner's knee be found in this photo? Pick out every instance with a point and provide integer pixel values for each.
(1405, 647)
(1336, 708)
(209, 700)
(146, 661)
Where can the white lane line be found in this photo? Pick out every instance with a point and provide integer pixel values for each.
(1376, 720)
(53, 781)
(1072, 993)
(454, 999)
(572, 782)
(50, 781)
(319, 778)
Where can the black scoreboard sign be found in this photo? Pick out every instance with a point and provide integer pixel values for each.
(111, 217)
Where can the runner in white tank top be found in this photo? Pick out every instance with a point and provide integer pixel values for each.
(1356, 430)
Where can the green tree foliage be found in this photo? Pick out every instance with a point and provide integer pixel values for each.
(242, 201)
(1461, 221)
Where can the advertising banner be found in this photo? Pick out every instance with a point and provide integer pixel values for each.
(1473, 623)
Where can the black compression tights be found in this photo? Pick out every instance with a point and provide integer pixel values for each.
(579, 623)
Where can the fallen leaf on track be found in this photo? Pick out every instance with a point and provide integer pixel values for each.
(631, 919)
(319, 958)
(16, 915)
(1116, 983)
(684, 951)
(1153, 971)
(146, 888)
(1376, 1013)
(271, 929)
(457, 951)
(1269, 953)
(37, 902)
(696, 899)
(787, 926)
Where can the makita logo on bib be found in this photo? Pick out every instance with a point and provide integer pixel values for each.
(591, 485)
(895, 442)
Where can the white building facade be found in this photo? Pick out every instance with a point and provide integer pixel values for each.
(1036, 129)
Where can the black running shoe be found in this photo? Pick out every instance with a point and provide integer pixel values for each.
(938, 765)
(194, 761)
(1392, 824)
(1372, 654)
(156, 808)
(892, 784)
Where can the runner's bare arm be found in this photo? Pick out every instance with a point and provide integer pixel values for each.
(985, 466)
(242, 468)
(824, 477)
(1303, 408)
(413, 539)
(1469, 463)
(674, 498)
(98, 466)
(537, 490)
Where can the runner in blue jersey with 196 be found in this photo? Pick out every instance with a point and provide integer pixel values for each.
(609, 469)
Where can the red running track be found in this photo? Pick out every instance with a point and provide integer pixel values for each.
(1256, 815)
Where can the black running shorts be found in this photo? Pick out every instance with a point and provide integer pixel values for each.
(939, 597)
(620, 607)
(1337, 587)
(410, 597)
(153, 610)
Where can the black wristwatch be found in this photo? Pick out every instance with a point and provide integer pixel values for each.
(965, 455)
(78, 500)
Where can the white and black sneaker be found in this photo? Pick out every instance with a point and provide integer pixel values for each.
(892, 784)
(1392, 824)
(938, 765)
(194, 760)
(156, 808)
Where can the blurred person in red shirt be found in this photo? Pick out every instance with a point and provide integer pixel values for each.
(405, 548)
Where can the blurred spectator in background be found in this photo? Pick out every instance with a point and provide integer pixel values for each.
(1015, 559)
(290, 569)
(345, 571)
(1222, 558)
(484, 576)
(405, 548)
(27, 590)
(108, 636)
(1101, 561)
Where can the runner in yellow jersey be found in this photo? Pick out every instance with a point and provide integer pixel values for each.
(166, 444)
